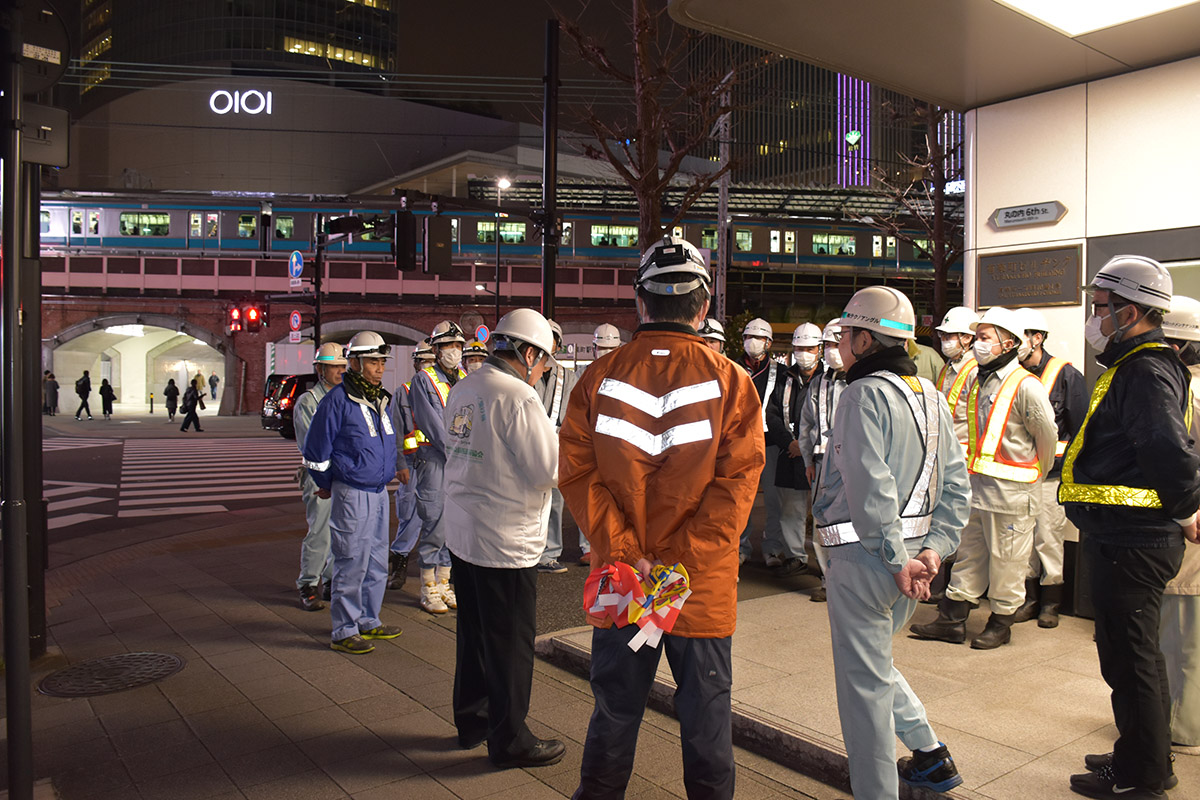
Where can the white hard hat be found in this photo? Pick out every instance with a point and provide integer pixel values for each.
(556, 329)
(606, 336)
(1001, 317)
(424, 350)
(758, 327)
(1183, 320)
(474, 348)
(806, 335)
(672, 255)
(711, 329)
(1138, 279)
(881, 309)
(1033, 320)
(958, 320)
(833, 331)
(528, 326)
(447, 332)
(330, 354)
(368, 343)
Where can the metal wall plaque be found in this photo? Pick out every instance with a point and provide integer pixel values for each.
(1030, 214)
(1029, 278)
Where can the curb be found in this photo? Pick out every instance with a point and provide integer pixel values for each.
(804, 751)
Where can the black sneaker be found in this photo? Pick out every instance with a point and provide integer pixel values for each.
(1103, 783)
(327, 592)
(309, 600)
(381, 632)
(397, 570)
(542, 754)
(1095, 762)
(934, 770)
(354, 645)
(552, 567)
(791, 566)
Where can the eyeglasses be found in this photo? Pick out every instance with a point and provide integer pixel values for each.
(1096, 307)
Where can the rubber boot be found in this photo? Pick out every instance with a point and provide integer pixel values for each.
(997, 632)
(950, 625)
(1029, 609)
(1051, 600)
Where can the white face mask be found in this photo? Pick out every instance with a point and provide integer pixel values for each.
(983, 352)
(474, 365)
(450, 358)
(805, 360)
(951, 348)
(1024, 349)
(755, 348)
(1091, 333)
(833, 358)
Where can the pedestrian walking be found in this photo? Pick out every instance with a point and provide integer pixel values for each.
(52, 395)
(891, 498)
(1131, 484)
(316, 569)
(213, 382)
(107, 395)
(83, 388)
(350, 452)
(45, 399)
(659, 461)
(171, 397)
(501, 464)
(193, 398)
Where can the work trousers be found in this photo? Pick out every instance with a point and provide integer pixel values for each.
(772, 532)
(621, 680)
(875, 702)
(1179, 633)
(358, 529)
(993, 557)
(1127, 592)
(408, 526)
(315, 564)
(1049, 533)
(493, 671)
(793, 520)
(428, 477)
(554, 534)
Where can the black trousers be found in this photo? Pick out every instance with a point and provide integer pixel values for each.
(1127, 590)
(83, 406)
(621, 681)
(191, 418)
(493, 670)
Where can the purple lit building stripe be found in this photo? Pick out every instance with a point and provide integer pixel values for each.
(853, 114)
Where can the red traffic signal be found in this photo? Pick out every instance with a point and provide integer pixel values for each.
(254, 319)
(235, 320)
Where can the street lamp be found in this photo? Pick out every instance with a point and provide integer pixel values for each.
(501, 185)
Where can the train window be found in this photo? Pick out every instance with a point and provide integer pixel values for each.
(564, 238)
(923, 249)
(94, 222)
(789, 242)
(485, 232)
(510, 232)
(743, 240)
(774, 241)
(383, 233)
(677, 231)
(708, 238)
(210, 225)
(247, 226)
(285, 227)
(77, 222)
(195, 225)
(614, 236)
(877, 247)
(833, 244)
(45, 224)
(454, 230)
(139, 223)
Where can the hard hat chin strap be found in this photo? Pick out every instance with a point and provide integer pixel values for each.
(1119, 330)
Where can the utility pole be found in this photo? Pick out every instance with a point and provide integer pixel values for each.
(549, 171)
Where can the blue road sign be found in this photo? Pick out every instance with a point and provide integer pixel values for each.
(482, 333)
(295, 264)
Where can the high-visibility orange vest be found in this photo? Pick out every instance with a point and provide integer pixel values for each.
(1048, 377)
(983, 452)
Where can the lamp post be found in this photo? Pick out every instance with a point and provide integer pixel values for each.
(501, 185)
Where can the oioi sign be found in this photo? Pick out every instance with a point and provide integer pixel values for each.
(222, 101)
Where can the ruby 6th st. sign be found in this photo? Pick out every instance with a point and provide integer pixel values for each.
(1031, 214)
(253, 102)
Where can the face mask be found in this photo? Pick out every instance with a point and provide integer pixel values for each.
(755, 348)
(833, 358)
(1024, 350)
(805, 360)
(983, 352)
(1091, 332)
(951, 348)
(450, 358)
(474, 365)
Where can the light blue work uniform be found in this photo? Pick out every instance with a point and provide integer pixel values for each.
(893, 482)
(315, 566)
(816, 425)
(350, 450)
(408, 526)
(555, 389)
(429, 464)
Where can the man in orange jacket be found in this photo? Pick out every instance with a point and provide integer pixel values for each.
(659, 459)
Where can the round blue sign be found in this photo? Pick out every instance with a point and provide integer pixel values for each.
(295, 264)
(482, 333)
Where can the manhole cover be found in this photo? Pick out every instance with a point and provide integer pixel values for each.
(110, 674)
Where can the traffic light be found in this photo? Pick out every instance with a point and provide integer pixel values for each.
(404, 241)
(254, 319)
(235, 320)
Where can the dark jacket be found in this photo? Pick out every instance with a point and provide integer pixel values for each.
(83, 386)
(190, 398)
(781, 432)
(171, 393)
(1136, 437)
(1069, 398)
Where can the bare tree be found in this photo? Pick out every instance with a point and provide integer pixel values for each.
(679, 96)
(920, 195)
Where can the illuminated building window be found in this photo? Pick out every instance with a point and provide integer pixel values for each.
(789, 242)
(139, 223)
(247, 226)
(708, 238)
(336, 52)
(510, 232)
(99, 45)
(877, 246)
(98, 18)
(94, 77)
(382, 5)
(835, 244)
(614, 236)
(743, 241)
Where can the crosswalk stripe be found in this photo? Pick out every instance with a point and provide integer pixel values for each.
(76, 502)
(57, 443)
(157, 482)
(54, 523)
(183, 509)
(171, 511)
(252, 491)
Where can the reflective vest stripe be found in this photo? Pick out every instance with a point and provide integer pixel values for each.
(773, 369)
(969, 368)
(1136, 497)
(650, 443)
(1059, 449)
(983, 453)
(658, 407)
(1048, 377)
(916, 516)
(558, 394)
(442, 388)
(824, 413)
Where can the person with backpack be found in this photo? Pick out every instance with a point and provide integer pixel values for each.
(192, 398)
(83, 388)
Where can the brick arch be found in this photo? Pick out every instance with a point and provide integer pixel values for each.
(217, 342)
(407, 334)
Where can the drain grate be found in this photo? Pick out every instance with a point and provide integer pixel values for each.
(110, 674)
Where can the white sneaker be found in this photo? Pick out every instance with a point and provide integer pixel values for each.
(447, 594)
(431, 599)
(773, 561)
